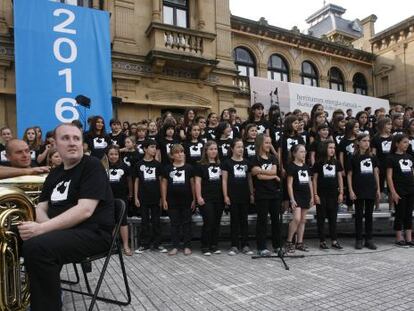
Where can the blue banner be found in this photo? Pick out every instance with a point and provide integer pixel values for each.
(61, 51)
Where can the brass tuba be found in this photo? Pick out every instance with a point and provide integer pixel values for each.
(17, 199)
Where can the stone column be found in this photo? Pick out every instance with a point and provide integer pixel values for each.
(156, 11)
(200, 13)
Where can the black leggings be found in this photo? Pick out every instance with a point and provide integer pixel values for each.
(238, 224)
(150, 225)
(327, 209)
(264, 207)
(211, 213)
(360, 204)
(404, 213)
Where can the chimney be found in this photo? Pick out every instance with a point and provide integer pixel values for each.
(368, 28)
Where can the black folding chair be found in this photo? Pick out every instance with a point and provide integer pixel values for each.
(86, 266)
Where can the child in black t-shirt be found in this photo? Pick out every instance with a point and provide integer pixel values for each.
(328, 191)
(147, 195)
(121, 184)
(363, 185)
(193, 147)
(209, 196)
(250, 134)
(346, 149)
(140, 139)
(178, 197)
(223, 140)
(237, 193)
(267, 195)
(322, 135)
(166, 141)
(300, 190)
(400, 180)
(129, 154)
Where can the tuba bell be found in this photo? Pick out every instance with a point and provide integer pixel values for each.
(18, 197)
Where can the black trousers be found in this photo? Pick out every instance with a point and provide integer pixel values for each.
(211, 213)
(360, 205)
(264, 207)
(44, 256)
(404, 213)
(150, 225)
(238, 224)
(180, 222)
(327, 209)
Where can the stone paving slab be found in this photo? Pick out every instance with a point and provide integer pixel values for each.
(323, 280)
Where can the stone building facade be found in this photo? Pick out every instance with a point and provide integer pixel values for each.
(175, 54)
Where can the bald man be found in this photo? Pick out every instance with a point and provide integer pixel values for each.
(20, 162)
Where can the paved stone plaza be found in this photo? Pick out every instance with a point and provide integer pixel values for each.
(324, 280)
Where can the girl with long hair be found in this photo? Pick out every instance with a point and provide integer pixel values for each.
(249, 139)
(223, 140)
(96, 138)
(193, 146)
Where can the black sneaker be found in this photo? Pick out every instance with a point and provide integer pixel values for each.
(401, 243)
(358, 244)
(337, 246)
(323, 245)
(410, 243)
(370, 245)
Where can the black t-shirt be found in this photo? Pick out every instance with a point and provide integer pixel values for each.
(337, 136)
(262, 126)
(87, 180)
(347, 147)
(211, 133)
(301, 180)
(305, 137)
(363, 178)
(286, 143)
(118, 177)
(265, 189)
(382, 146)
(139, 146)
(237, 180)
(118, 139)
(211, 188)
(249, 150)
(179, 190)
(275, 134)
(402, 172)
(130, 158)
(328, 177)
(410, 149)
(97, 144)
(193, 151)
(224, 149)
(165, 147)
(148, 173)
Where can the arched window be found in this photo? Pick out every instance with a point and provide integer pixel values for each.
(245, 62)
(336, 79)
(360, 84)
(277, 68)
(175, 12)
(309, 74)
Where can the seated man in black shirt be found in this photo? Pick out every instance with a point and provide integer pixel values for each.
(74, 219)
(20, 162)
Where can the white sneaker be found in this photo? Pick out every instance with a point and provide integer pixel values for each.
(247, 251)
(141, 250)
(162, 249)
(233, 251)
(207, 253)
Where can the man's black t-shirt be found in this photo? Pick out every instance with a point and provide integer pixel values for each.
(87, 180)
(328, 177)
(265, 189)
(179, 190)
(402, 172)
(211, 188)
(118, 177)
(148, 174)
(237, 180)
(363, 178)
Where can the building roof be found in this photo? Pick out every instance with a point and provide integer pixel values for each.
(329, 8)
(393, 29)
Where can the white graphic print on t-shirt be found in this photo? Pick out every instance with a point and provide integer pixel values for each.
(178, 177)
(126, 161)
(115, 174)
(386, 146)
(329, 170)
(195, 150)
(405, 165)
(366, 166)
(291, 142)
(60, 192)
(261, 129)
(3, 157)
(149, 172)
(33, 155)
(350, 148)
(251, 151)
(303, 176)
(99, 143)
(214, 173)
(225, 149)
(239, 171)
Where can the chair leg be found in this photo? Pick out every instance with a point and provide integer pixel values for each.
(85, 276)
(77, 279)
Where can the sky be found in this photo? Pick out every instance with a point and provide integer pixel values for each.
(287, 14)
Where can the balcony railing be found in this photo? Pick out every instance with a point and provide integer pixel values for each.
(242, 83)
(168, 38)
